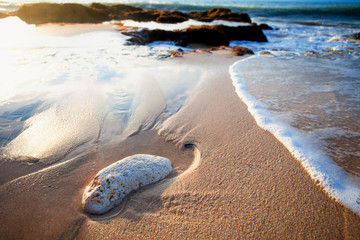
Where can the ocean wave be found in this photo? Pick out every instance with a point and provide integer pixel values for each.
(340, 185)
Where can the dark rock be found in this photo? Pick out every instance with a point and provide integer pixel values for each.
(172, 17)
(215, 35)
(146, 36)
(99, 6)
(208, 35)
(163, 16)
(176, 54)
(241, 51)
(214, 12)
(236, 50)
(355, 36)
(248, 33)
(39, 13)
(116, 8)
(264, 26)
(143, 16)
(117, 11)
(220, 14)
(311, 54)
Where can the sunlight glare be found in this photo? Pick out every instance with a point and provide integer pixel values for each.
(17, 33)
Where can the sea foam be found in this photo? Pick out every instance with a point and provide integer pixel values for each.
(334, 179)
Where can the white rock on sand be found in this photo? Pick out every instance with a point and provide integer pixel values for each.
(114, 182)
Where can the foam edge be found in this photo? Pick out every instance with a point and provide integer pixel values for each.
(323, 170)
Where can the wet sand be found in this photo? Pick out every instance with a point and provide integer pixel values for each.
(244, 184)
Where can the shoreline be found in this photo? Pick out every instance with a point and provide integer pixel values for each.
(325, 170)
(247, 184)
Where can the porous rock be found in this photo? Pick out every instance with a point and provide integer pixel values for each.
(110, 185)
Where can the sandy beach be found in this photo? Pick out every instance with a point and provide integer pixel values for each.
(237, 182)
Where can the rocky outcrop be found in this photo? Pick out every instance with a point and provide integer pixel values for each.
(241, 51)
(143, 16)
(165, 16)
(215, 35)
(264, 26)
(171, 17)
(162, 16)
(248, 33)
(146, 36)
(40, 13)
(355, 37)
(236, 50)
(116, 8)
(220, 14)
(117, 11)
(208, 35)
